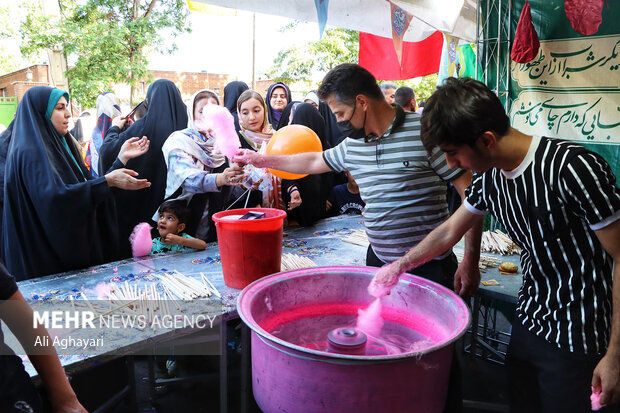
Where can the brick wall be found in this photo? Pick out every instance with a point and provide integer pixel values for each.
(15, 83)
(187, 82)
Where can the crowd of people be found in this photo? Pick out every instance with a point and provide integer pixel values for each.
(383, 155)
(97, 190)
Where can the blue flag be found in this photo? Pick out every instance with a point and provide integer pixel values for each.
(321, 12)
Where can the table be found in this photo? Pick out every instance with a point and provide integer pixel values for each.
(487, 340)
(322, 243)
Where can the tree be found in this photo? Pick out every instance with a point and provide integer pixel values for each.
(9, 61)
(109, 38)
(300, 63)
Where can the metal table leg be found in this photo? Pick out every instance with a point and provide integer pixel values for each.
(223, 366)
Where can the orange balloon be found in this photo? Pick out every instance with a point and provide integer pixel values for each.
(290, 140)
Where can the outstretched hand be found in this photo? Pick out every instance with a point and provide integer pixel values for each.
(295, 200)
(384, 280)
(132, 148)
(248, 156)
(124, 179)
(231, 176)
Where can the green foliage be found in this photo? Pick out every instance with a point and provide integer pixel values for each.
(109, 38)
(300, 63)
(423, 87)
(9, 62)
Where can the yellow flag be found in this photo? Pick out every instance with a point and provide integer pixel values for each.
(211, 9)
(451, 43)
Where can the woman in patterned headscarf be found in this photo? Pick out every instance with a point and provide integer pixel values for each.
(197, 174)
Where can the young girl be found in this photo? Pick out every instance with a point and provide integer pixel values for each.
(256, 132)
(173, 217)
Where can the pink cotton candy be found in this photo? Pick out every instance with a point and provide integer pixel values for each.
(221, 123)
(369, 320)
(595, 399)
(140, 238)
(102, 290)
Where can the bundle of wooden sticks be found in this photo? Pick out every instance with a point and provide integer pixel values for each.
(293, 262)
(499, 243)
(357, 237)
(148, 299)
(486, 261)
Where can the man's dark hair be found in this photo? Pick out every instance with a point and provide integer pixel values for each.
(459, 112)
(176, 207)
(348, 80)
(403, 95)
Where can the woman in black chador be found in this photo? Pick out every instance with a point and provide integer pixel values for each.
(56, 217)
(166, 113)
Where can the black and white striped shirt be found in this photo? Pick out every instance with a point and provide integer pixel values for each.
(550, 205)
(403, 187)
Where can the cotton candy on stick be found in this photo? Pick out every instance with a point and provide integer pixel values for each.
(141, 241)
(218, 121)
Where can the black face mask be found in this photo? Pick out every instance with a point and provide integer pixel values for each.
(348, 130)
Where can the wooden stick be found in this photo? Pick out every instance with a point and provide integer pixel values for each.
(215, 291)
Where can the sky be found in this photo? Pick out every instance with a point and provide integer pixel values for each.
(223, 44)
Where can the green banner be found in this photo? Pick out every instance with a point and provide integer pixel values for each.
(8, 107)
(571, 90)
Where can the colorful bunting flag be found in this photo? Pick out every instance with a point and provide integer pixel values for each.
(321, 13)
(400, 24)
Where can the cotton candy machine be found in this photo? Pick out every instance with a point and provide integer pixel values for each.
(308, 355)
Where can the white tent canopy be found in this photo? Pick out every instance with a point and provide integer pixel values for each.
(453, 17)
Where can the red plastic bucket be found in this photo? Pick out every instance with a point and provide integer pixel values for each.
(249, 249)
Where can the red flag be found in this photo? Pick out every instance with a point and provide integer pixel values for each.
(422, 58)
(525, 45)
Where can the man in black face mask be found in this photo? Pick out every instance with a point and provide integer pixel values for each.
(404, 187)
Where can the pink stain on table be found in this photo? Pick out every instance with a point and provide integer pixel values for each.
(140, 239)
(102, 290)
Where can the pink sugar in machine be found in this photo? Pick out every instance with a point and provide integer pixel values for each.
(308, 356)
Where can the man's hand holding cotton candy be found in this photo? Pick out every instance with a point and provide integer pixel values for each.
(384, 280)
(249, 157)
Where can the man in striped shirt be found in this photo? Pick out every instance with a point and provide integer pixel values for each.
(560, 203)
(404, 188)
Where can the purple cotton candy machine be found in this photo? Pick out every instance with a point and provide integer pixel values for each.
(308, 355)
